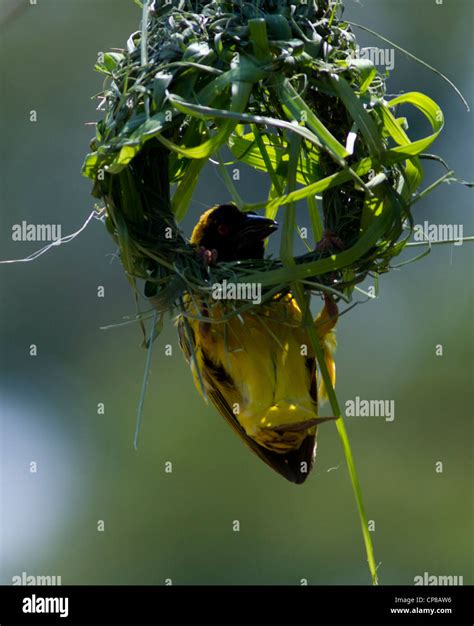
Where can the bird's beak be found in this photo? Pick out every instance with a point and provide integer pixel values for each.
(258, 227)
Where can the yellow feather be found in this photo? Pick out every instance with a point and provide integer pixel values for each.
(264, 353)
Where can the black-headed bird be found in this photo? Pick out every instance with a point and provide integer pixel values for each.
(258, 367)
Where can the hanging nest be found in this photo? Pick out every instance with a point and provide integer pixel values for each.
(279, 83)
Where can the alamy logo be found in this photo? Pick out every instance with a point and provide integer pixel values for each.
(37, 604)
(439, 232)
(237, 291)
(371, 408)
(430, 579)
(384, 57)
(28, 579)
(36, 232)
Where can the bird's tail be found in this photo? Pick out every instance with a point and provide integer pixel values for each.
(325, 324)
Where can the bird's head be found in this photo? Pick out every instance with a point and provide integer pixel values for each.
(233, 234)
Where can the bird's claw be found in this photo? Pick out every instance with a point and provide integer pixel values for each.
(329, 242)
(208, 257)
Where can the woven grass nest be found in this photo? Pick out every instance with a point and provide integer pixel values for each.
(280, 84)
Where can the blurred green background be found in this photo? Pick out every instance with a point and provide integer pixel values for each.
(179, 525)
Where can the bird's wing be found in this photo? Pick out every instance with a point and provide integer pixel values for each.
(285, 464)
(296, 465)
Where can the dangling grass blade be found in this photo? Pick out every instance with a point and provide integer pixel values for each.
(286, 254)
(342, 432)
(145, 380)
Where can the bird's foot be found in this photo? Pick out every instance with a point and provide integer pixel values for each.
(330, 306)
(208, 257)
(329, 242)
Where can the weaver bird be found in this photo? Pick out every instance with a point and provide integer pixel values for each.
(257, 368)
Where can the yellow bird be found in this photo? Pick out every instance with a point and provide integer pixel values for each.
(257, 368)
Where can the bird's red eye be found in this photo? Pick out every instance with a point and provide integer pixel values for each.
(223, 229)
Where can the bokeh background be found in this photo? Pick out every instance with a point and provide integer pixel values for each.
(178, 526)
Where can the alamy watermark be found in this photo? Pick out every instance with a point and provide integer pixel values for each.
(382, 57)
(237, 291)
(431, 579)
(439, 232)
(36, 232)
(370, 408)
(38, 604)
(28, 579)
